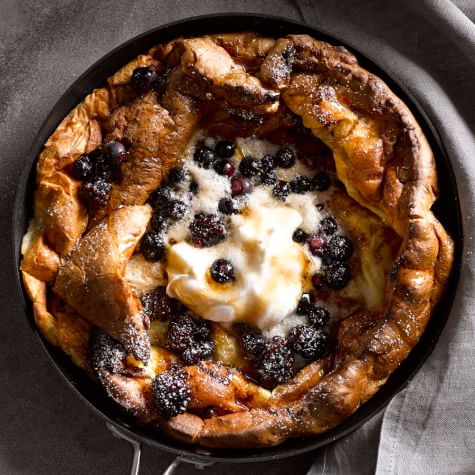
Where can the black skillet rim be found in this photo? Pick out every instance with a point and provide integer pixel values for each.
(93, 77)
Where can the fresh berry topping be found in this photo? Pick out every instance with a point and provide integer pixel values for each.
(153, 247)
(267, 163)
(207, 230)
(321, 181)
(157, 305)
(285, 158)
(240, 185)
(337, 276)
(328, 226)
(224, 167)
(249, 167)
(160, 197)
(253, 343)
(319, 316)
(340, 248)
(299, 236)
(268, 177)
(227, 206)
(177, 176)
(103, 168)
(159, 222)
(300, 184)
(194, 187)
(106, 352)
(281, 190)
(224, 149)
(95, 194)
(198, 351)
(144, 79)
(318, 280)
(204, 156)
(171, 391)
(308, 341)
(276, 362)
(317, 244)
(175, 210)
(222, 271)
(115, 150)
(306, 303)
(82, 168)
(202, 329)
(180, 332)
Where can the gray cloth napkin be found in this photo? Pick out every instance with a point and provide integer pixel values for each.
(427, 45)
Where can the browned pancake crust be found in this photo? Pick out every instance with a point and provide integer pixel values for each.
(381, 156)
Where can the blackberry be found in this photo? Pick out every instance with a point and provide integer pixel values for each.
(157, 305)
(300, 184)
(253, 342)
(144, 79)
(82, 168)
(328, 226)
(299, 236)
(267, 163)
(337, 276)
(321, 182)
(175, 210)
(308, 341)
(222, 271)
(224, 149)
(240, 185)
(340, 248)
(172, 393)
(318, 280)
(224, 167)
(153, 247)
(202, 329)
(227, 206)
(159, 222)
(319, 316)
(180, 332)
(281, 190)
(160, 197)
(275, 364)
(106, 353)
(317, 245)
(306, 303)
(204, 156)
(249, 167)
(177, 176)
(268, 177)
(285, 158)
(198, 351)
(95, 194)
(207, 230)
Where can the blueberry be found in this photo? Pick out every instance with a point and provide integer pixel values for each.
(240, 185)
(224, 167)
(160, 197)
(308, 341)
(227, 206)
(319, 316)
(224, 149)
(82, 168)
(96, 193)
(115, 149)
(222, 271)
(249, 167)
(299, 236)
(281, 190)
(321, 182)
(153, 247)
(204, 156)
(317, 245)
(328, 226)
(207, 230)
(337, 276)
(340, 248)
(300, 184)
(285, 158)
(306, 303)
(144, 79)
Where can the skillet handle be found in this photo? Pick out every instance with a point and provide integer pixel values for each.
(137, 446)
(181, 459)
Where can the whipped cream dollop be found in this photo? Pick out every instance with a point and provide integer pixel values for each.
(269, 269)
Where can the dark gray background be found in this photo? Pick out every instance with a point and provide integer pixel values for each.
(44, 47)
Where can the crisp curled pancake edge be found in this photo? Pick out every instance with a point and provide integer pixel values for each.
(381, 156)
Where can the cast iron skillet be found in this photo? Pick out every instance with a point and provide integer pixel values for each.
(446, 208)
